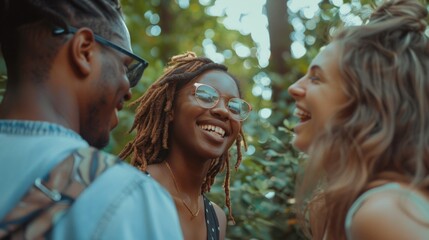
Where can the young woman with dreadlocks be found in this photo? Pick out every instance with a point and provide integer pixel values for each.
(186, 123)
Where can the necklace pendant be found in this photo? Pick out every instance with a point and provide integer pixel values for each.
(178, 192)
(190, 211)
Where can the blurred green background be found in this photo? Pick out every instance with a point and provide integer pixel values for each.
(267, 44)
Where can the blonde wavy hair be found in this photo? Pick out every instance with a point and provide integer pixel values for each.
(382, 131)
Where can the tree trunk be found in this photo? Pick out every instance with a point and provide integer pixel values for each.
(279, 31)
(166, 23)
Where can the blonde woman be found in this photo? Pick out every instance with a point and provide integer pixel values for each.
(364, 124)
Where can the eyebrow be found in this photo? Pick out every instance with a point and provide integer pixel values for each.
(316, 67)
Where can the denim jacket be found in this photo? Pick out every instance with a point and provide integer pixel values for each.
(122, 203)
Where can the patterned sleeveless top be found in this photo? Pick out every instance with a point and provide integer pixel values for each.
(212, 223)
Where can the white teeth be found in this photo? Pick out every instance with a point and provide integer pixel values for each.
(301, 114)
(215, 129)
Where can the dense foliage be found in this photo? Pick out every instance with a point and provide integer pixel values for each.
(262, 188)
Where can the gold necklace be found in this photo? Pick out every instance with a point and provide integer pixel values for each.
(178, 192)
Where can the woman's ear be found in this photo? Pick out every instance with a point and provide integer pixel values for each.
(82, 49)
(171, 115)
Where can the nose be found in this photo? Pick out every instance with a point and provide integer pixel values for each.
(220, 110)
(128, 95)
(297, 90)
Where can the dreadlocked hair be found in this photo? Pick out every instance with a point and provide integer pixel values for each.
(153, 117)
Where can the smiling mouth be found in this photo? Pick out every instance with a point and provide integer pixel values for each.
(214, 129)
(302, 115)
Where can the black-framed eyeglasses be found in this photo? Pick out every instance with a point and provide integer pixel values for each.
(134, 70)
(208, 97)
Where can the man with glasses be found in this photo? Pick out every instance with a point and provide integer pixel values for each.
(70, 68)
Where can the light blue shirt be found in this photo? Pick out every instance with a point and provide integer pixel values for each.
(122, 203)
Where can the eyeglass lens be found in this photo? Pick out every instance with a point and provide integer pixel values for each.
(134, 72)
(208, 97)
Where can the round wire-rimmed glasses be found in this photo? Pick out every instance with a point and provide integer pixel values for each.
(208, 97)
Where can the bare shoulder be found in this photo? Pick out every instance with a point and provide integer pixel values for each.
(219, 213)
(392, 215)
(221, 217)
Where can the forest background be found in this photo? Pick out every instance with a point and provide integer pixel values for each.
(268, 45)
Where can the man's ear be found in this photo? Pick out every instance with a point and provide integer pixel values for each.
(82, 49)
